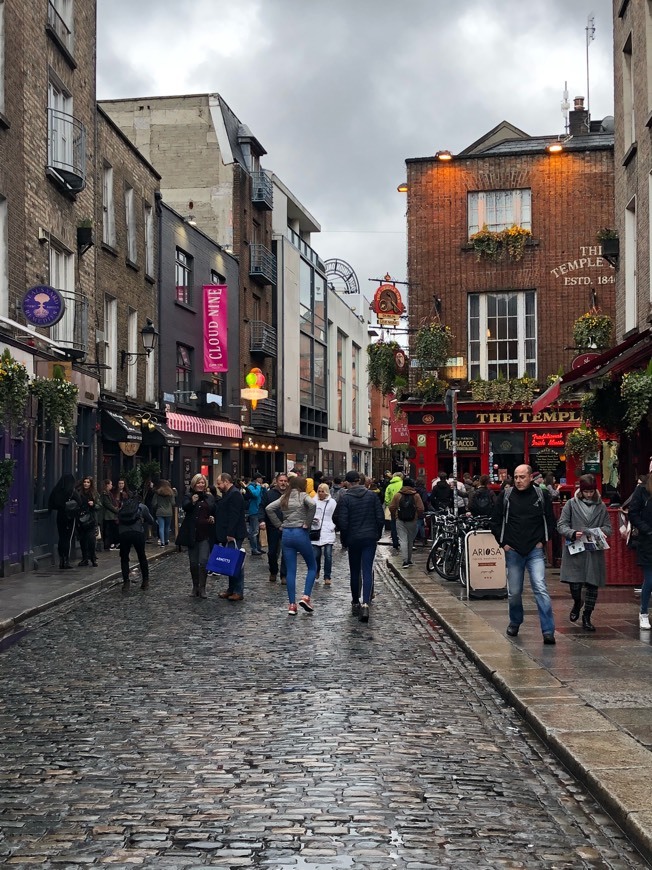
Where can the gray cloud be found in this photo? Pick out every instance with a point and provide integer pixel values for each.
(341, 92)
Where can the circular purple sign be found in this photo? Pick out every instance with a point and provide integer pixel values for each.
(43, 305)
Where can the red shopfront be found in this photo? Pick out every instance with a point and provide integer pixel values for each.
(491, 441)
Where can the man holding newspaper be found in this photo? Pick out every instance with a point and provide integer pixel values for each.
(584, 525)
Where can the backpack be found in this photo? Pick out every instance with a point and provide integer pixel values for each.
(129, 513)
(482, 503)
(407, 508)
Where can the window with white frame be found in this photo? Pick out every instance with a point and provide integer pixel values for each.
(60, 130)
(130, 220)
(149, 240)
(183, 270)
(355, 378)
(341, 381)
(132, 348)
(631, 255)
(502, 335)
(4, 259)
(60, 19)
(2, 56)
(110, 343)
(499, 209)
(150, 374)
(62, 278)
(108, 207)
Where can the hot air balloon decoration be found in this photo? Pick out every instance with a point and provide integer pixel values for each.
(255, 380)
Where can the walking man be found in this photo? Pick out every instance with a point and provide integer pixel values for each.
(253, 496)
(360, 519)
(132, 518)
(275, 491)
(230, 528)
(406, 507)
(522, 522)
(392, 488)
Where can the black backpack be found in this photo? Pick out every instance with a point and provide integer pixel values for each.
(482, 503)
(129, 512)
(407, 508)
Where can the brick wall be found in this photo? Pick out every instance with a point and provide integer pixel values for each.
(572, 197)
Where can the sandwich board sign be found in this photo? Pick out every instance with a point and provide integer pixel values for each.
(486, 574)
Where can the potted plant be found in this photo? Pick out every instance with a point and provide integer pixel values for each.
(636, 393)
(430, 389)
(432, 345)
(582, 442)
(14, 391)
(609, 242)
(58, 399)
(381, 365)
(592, 331)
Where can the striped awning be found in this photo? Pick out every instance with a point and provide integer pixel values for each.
(203, 425)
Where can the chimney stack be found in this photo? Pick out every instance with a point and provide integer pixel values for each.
(578, 119)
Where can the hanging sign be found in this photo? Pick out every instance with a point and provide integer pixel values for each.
(43, 305)
(583, 358)
(215, 328)
(387, 304)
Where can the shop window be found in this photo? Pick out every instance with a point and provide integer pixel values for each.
(499, 210)
(502, 335)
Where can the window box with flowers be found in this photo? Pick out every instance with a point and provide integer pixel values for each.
(430, 389)
(609, 242)
(582, 442)
(592, 331)
(503, 392)
(494, 245)
(14, 391)
(58, 400)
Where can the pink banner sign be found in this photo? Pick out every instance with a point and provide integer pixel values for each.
(215, 328)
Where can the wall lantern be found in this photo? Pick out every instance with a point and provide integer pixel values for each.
(255, 380)
(149, 337)
(403, 187)
(444, 156)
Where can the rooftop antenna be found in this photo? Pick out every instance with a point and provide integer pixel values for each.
(565, 107)
(590, 36)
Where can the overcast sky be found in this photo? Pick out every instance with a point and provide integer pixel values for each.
(341, 92)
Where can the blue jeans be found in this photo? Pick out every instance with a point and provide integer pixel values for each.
(327, 550)
(253, 524)
(646, 589)
(361, 561)
(534, 562)
(296, 541)
(164, 524)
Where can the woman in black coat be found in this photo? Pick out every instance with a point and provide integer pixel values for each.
(640, 516)
(87, 521)
(197, 531)
(66, 502)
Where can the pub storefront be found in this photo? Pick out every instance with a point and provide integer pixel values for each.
(491, 441)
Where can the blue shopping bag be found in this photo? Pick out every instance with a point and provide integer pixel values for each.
(226, 560)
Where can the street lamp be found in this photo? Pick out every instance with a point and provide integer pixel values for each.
(149, 337)
(192, 395)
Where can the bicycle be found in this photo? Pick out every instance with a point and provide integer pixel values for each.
(449, 551)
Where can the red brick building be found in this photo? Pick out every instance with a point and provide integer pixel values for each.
(509, 317)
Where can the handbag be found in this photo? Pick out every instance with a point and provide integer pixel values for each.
(71, 507)
(226, 560)
(85, 521)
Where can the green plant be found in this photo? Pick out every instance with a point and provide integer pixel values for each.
(134, 479)
(592, 330)
(432, 345)
(604, 408)
(523, 389)
(6, 479)
(503, 392)
(14, 391)
(58, 399)
(513, 240)
(605, 233)
(636, 393)
(430, 389)
(582, 442)
(381, 365)
(486, 244)
(150, 470)
(85, 222)
(493, 245)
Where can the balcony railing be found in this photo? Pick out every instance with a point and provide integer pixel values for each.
(67, 150)
(262, 265)
(262, 190)
(262, 338)
(264, 416)
(59, 27)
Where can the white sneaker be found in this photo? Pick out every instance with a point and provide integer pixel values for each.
(644, 621)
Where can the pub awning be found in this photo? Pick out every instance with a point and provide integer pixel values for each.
(116, 427)
(160, 436)
(619, 359)
(203, 425)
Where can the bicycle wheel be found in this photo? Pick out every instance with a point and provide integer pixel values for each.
(451, 562)
(444, 559)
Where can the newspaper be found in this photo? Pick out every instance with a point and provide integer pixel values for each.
(590, 540)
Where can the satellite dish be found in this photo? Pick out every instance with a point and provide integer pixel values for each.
(607, 124)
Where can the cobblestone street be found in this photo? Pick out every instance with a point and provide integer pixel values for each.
(158, 730)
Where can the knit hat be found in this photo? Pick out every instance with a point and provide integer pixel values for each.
(587, 482)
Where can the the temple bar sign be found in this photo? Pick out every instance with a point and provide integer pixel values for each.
(467, 442)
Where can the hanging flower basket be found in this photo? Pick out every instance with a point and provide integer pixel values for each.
(593, 330)
(636, 393)
(381, 365)
(432, 345)
(58, 399)
(14, 391)
(582, 442)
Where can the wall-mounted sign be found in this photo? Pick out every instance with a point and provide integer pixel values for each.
(589, 258)
(387, 304)
(546, 460)
(547, 439)
(216, 357)
(421, 440)
(400, 433)
(582, 358)
(43, 305)
(129, 447)
(482, 418)
(467, 442)
(400, 360)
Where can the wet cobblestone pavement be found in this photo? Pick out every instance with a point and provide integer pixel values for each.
(157, 730)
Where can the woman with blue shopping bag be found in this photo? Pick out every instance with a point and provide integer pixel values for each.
(197, 531)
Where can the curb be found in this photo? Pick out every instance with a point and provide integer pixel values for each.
(617, 787)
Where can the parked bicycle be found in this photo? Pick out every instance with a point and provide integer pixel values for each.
(448, 552)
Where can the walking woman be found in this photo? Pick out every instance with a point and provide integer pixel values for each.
(87, 522)
(197, 531)
(65, 500)
(323, 523)
(110, 506)
(583, 571)
(162, 509)
(298, 511)
(640, 516)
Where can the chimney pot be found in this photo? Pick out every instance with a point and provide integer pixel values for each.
(578, 103)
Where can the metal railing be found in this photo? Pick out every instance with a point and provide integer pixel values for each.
(264, 416)
(262, 338)
(67, 149)
(262, 264)
(262, 190)
(59, 26)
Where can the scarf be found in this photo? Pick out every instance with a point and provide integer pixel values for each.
(584, 514)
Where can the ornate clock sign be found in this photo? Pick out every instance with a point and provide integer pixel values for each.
(43, 305)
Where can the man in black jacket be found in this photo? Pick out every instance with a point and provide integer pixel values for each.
(275, 491)
(522, 522)
(231, 528)
(360, 518)
(441, 497)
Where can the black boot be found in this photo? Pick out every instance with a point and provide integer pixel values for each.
(577, 605)
(194, 573)
(587, 625)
